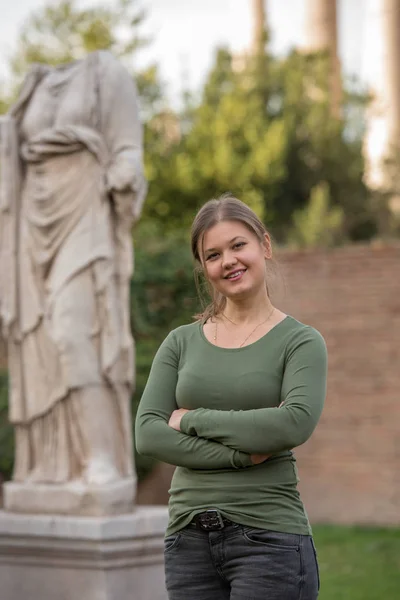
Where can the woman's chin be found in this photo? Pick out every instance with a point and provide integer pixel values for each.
(240, 291)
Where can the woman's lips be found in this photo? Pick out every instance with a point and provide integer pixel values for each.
(236, 275)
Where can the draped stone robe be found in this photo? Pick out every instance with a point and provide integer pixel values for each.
(72, 184)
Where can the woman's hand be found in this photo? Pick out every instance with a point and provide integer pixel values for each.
(175, 418)
(256, 459)
(175, 423)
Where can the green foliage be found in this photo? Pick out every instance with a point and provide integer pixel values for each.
(4, 103)
(263, 130)
(163, 297)
(63, 32)
(6, 433)
(317, 224)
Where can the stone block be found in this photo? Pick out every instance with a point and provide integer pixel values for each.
(92, 558)
(72, 498)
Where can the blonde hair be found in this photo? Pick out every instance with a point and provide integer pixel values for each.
(224, 208)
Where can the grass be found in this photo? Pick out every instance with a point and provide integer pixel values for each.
(358, 563)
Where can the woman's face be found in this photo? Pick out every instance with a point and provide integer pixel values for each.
(234, 259)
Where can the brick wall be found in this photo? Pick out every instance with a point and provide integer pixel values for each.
(350, 468)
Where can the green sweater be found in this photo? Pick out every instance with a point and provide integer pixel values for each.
(233, 396)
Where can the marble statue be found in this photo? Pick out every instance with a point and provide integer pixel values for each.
(71, 186)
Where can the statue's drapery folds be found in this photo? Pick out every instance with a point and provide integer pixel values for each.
(71, 186)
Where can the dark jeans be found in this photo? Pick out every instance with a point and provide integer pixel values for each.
(240, 563)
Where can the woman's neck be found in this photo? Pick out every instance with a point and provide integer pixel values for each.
(247, 310)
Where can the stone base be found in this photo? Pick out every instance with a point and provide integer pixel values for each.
(67, 558)
(75, 498)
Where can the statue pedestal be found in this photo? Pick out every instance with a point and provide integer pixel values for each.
(75, 498)
(95, 558)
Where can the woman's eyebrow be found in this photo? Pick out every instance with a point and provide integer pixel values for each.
(230, 242)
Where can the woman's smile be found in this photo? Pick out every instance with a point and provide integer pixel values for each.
(235, 275)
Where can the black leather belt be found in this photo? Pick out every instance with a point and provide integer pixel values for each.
(210, 520)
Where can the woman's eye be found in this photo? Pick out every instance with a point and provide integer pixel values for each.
(239, 244)
(212, 256)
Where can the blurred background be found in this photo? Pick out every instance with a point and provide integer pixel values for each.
(293, 106)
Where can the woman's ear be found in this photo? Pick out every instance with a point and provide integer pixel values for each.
(267, 246)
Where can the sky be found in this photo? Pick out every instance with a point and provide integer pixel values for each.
(186, 32)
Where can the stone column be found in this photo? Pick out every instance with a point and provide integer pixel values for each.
(391, 25)
(321, 35)
(383, 115)
(258, 37)
(259, 25)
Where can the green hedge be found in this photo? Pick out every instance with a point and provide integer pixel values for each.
(6, 432)
(163, 296)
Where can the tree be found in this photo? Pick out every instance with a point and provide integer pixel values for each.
(268, 139)
(316, 224)
(60, 33)
(63, 32)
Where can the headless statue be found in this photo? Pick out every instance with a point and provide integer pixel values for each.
(72, 185)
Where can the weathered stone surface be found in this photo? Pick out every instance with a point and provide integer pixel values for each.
(68, 558)
(74, 498)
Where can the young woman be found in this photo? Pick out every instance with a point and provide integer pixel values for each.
(227, 400)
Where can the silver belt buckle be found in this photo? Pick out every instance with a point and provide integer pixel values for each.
(211, 520)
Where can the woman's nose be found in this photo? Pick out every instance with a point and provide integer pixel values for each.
(228, 260)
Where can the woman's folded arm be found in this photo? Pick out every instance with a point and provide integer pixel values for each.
(155, 438)
(270, 430)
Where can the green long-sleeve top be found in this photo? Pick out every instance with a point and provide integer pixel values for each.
(264, 398)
